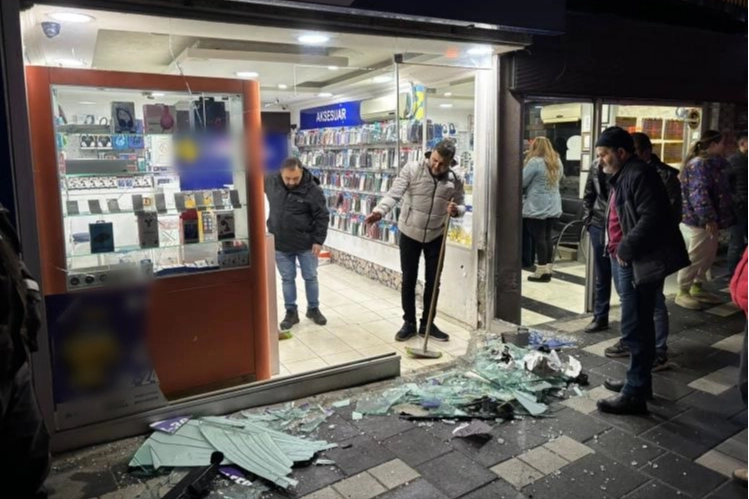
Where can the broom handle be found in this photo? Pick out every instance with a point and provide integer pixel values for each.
(433, 304)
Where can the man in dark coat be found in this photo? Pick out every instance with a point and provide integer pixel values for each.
(737, 177)
(24, 441)
(645, 246)
(595, 201)
(298, 220)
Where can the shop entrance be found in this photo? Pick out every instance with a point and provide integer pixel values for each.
(572, 128)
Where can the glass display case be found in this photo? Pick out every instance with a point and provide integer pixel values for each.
(152, 183)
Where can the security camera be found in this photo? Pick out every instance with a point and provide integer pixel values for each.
(51, 29)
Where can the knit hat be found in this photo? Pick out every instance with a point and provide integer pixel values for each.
(615, 138)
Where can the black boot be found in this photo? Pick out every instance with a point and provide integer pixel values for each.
(292, 317)
(316, 316)
(624, 405)
(434, 334)
(596, 326)
(406, 332)
(617, 386)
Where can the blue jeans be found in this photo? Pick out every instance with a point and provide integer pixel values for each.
(661, 323)
(603, 275)
(638, 330)
(286, 263)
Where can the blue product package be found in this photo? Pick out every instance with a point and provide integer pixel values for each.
(135, 141)
(102, 237)
(119, 142)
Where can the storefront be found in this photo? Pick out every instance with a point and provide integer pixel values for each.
(569, 89)
(143, 213)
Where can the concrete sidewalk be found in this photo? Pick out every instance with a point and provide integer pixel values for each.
(687, 447)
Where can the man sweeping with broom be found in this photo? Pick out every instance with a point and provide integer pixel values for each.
(430, 193)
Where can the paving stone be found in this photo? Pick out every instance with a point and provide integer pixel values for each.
(655, 489)
(455, 475)
(594, 476)
(517, 473)
(583, 404)
(312, 478)
(508, 440)
(326, 493)
(691, 434)
(77, 484)
(138, 490)
(735, 448)
(691, 478)
(383, 427)
(394, 473)
(625, 448)
(362, 486)
(573, 424)
(363, 453)
(498, 489)
(567, 448)
(343, 430)
(543, 460)
(732, 344)
(722, 463)
(599, 348)
(730, 490)
(724, 406)
(701, 335)
(417, 446)
(419, 489)
(707, 385)
(740, 419)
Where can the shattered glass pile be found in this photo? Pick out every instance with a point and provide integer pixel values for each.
(501, 379)
(253, 446)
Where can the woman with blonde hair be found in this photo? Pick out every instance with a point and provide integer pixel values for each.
(542, 202)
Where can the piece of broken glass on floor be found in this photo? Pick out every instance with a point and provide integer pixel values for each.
(546, 342)
(498, 378)
(253, 447)
(290, 417)
(477, 430)
(170, 425)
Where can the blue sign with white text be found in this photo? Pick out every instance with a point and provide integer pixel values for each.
(335, 115)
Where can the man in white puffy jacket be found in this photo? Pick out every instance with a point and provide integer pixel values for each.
(428, 191)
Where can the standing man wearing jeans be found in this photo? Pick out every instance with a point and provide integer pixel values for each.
(645, 246)
(299, 221)
(595, 202)
(429, 190)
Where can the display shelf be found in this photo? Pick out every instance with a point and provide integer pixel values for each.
(351, 190)
(366, 238)
(168, 213)
(170, 245)
(392, 171)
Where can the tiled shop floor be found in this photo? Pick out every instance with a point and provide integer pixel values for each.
(363, 317)
(687, 447)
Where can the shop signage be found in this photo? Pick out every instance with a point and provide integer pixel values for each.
(336, 115)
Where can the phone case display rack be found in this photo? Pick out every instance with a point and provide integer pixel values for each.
(215, 322)
(182, 232)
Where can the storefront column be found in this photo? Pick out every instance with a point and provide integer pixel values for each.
(508, 218)
(23, 176)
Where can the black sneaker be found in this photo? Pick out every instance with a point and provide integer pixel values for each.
(407, 332)
(596, 326)
(617, 350)
(292, 317)
(317, 316)
(434, 333)
(661, 364)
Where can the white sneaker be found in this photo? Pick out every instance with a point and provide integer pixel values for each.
(685, 300)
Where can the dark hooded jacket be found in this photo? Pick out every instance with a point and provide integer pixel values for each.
(651, 241)
(298, 217)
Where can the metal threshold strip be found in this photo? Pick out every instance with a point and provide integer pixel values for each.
(227, 401)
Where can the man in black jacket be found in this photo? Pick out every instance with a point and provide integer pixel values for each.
(24, 441)
(737, 176)
(595, 200)
(299, 221)
(645, 246)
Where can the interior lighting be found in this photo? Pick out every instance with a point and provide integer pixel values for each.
(71, 17)
(313, 39)
(383, 79)
(448, 94)
(325, 94)
(76, 63)
(247, 74)
(282, 86)
(446, 106)
(482, 50)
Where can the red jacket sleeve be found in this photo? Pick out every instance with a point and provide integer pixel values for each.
(739, 284)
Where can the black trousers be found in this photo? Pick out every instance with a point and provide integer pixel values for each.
(411, 251)
(24, 441)
(540, 229)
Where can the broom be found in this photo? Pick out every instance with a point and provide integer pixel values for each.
(424, 353)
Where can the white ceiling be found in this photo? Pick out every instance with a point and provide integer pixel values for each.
(345, 66)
